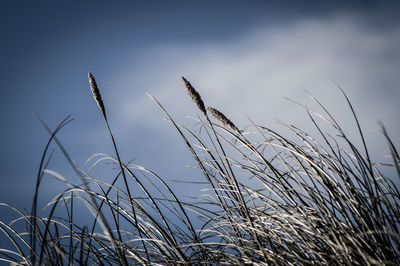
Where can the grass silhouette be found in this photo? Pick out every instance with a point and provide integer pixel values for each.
(273, 200)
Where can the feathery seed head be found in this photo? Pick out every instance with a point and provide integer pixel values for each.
(195, 96)
(222, 118)
(96, 94)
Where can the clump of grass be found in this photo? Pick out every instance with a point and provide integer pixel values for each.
(274, 200)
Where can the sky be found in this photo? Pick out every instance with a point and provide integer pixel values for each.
(244, 58)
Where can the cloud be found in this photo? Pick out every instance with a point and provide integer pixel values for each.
(250, 75)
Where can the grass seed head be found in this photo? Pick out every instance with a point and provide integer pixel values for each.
(222, 118)
(195, 96)
(96, 94)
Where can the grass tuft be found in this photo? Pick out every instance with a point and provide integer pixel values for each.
(311, 198)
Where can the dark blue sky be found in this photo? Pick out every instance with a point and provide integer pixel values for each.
(47, 48)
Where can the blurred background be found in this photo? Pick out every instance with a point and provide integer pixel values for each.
(243, 57)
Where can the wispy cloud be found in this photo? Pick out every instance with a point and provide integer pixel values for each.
(249, 76)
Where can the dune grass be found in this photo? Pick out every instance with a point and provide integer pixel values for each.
(309, 199)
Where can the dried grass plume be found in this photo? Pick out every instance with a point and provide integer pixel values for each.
(222, 118)
(195, 96)
(96, 94)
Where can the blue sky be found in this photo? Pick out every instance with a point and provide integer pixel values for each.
(242, 56)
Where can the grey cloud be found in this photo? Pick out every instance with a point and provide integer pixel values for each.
(250, 76)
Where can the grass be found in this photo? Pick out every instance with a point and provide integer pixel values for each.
(272, 200)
